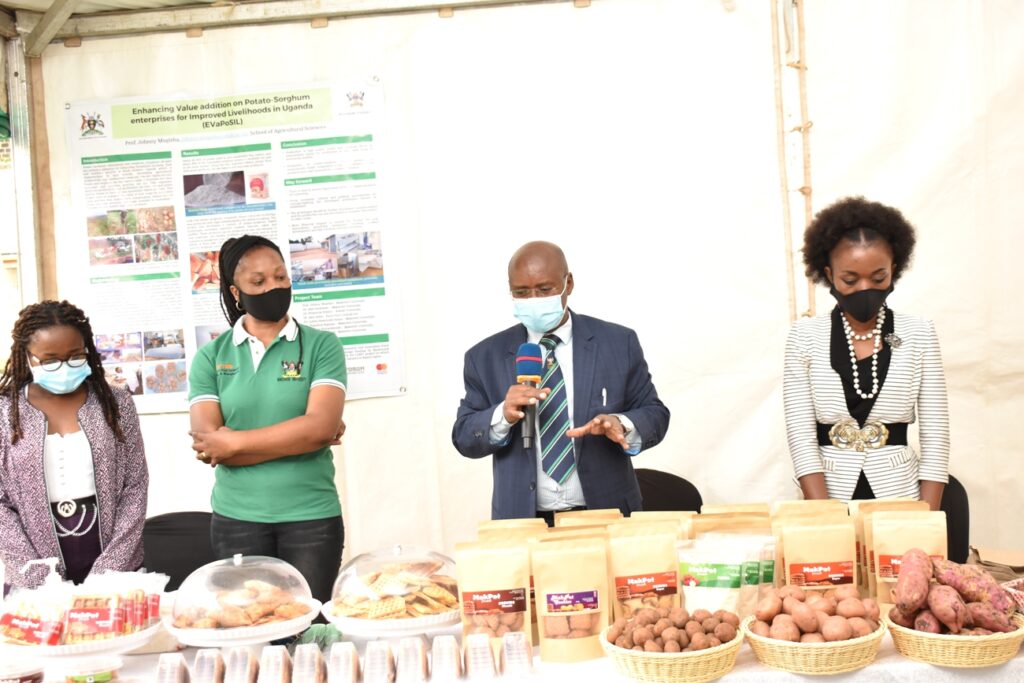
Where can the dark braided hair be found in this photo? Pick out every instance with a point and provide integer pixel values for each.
(231, 252)
(17, 373)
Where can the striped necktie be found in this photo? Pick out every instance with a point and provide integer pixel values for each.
(556, 450)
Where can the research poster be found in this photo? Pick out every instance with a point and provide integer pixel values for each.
(159, 184)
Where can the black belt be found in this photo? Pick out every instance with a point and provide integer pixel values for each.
(897, 434)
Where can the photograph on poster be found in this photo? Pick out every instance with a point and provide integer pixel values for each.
(130, 221)
(165, 378)
(204, 271)
(111, 251)
(214, 190)
(119, 348)
(257, 186)
(124, 375)
(163, 345)
(336, 259)
(163, 246)
(207, 333)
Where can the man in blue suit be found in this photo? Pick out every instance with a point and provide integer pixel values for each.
(596, 406)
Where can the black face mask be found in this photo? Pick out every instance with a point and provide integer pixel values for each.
(269, 306)
(863, 305)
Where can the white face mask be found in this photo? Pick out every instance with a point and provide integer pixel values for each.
(540, 314)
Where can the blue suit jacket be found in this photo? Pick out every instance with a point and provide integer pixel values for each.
(605, 356)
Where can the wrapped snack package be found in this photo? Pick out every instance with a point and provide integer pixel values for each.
(309, 665)
(241, 666)
(445, 659)
(343, 664)
(171, 668)
(208, 666)
(411, 666)
(478, 656)
(275, 665)
(379, 663)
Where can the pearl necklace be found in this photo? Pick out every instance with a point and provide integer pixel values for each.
(876, 335)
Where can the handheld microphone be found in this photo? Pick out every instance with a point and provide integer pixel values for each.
(528, 371)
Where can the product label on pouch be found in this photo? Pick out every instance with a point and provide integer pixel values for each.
(821, 573)
(494, 602)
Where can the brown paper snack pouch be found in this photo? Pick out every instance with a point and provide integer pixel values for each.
(572, 517)
(783, 507)
(572, 597)
(514, 523)
(643, 567)
(682, 517)
(796, 517)
(731, 524)
(764, 509)
(494, 588)
(857, 514)
(867, 509)
(820, 556)
(895, 533)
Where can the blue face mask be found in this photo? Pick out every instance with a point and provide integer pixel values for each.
(63, 380)
(540, 314)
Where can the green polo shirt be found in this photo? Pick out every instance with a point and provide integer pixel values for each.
(290, 489)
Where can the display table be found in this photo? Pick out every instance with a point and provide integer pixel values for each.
(889, 667)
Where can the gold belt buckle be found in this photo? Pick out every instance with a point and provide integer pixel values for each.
(846, 435)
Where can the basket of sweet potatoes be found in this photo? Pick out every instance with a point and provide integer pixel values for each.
(952, 614)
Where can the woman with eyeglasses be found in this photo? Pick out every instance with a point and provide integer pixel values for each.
(73, 476)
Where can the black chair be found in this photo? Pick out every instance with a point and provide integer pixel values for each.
(664, 491)
(958, 520)
(177, 544)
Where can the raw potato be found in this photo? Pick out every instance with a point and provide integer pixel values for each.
(974, 584)
(846, 592)
(678, 616)
(768, 608)
(725, 632)
(871, 606)
(784, 630)
(672, 646)
(836, 628)
(651, 646)
(925, 621)
(804, 618)
(861, 627)
(947, 606)
(792, 591)
(693, 627)
(642, 635)
(700, 615)
(700, 641)
(812, 638)
(760, 628)
(898, 617)
(713, 642)
(911, 592)
(710, 624)
(788, 603)
(851, 607)
(985, 616)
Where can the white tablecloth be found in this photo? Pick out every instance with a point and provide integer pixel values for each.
(889, 667)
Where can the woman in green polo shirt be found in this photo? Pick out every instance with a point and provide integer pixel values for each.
(266, 402)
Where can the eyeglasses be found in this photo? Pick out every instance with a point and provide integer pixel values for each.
(53, 364)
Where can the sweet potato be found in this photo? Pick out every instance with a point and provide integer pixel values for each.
(974, 584)
(911, 590)
(898, 617)
(947, 606)
(986, 616)
(926, 621)
(871, 607)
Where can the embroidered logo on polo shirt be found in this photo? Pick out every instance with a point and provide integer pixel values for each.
(226, 369)
(290, 370)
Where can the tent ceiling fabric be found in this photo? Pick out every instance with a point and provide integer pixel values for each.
(92, 6)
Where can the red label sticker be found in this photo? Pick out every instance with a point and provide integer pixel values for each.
(889, 565)
(821, 573)
(646, 585)
(494, 602)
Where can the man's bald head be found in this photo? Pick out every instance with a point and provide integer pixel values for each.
(539, 269)
(537, 256)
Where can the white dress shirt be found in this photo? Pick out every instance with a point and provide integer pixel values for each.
(550, 494)
(67, 466)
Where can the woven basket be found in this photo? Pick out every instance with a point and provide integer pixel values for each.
(964, 652)
(1016, 590)
(815, 659)
(681, 667)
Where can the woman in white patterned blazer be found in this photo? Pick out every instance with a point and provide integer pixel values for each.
(857, 377)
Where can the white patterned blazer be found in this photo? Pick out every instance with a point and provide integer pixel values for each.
(813, 392)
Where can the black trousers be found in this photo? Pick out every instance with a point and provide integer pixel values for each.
(313, 547)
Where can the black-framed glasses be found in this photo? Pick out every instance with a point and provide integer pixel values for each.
(53, 364)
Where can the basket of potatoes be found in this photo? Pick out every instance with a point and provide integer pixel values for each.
(951, 614)
(810, 632)
(662, 644)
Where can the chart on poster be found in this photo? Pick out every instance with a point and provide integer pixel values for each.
(158, 185)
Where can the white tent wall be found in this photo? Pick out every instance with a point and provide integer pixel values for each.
(639, 135)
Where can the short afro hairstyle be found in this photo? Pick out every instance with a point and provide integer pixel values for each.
(857, 220)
